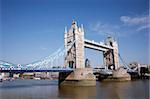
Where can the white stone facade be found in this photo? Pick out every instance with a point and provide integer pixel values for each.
(75, 56)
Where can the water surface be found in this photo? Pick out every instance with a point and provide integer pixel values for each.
(48, 89)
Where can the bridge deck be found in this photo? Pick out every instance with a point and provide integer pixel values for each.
(96, 46)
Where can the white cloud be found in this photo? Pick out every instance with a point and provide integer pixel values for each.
(134, 20)
(127, 26)
(141, 22)
(105, 29)
(143, 27)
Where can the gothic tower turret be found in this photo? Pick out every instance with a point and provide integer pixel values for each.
(111, 56)
(75, 56)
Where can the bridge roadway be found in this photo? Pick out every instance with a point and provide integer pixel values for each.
(42, 70)
(96, 46)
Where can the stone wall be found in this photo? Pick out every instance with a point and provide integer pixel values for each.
(79, 77)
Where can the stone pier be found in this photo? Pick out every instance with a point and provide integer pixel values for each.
(79, 77)
(119, 75)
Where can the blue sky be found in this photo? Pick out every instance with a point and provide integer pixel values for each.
(33, 29)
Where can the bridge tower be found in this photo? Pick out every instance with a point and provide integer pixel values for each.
(111, 59)
(75, 56)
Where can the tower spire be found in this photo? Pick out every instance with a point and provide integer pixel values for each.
(74, 24)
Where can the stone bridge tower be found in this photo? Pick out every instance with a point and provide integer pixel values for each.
(75, 56)
(111, 59)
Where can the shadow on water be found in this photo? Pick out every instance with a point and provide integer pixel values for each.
(70, 92)
(124, 90)
(107, 90)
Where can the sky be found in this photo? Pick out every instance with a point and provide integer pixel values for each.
(33, 29)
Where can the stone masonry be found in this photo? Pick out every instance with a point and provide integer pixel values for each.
(75, 56)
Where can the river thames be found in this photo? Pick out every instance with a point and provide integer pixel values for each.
(49, 89)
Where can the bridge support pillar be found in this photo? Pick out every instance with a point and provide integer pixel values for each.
(121, 75)
(79, 77)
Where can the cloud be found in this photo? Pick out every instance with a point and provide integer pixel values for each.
(143, 27)
(126, 26)
(105, 29)
(134, 20)
(140, 22)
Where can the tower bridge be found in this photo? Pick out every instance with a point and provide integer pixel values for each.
(75, 56)
(73, 70)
